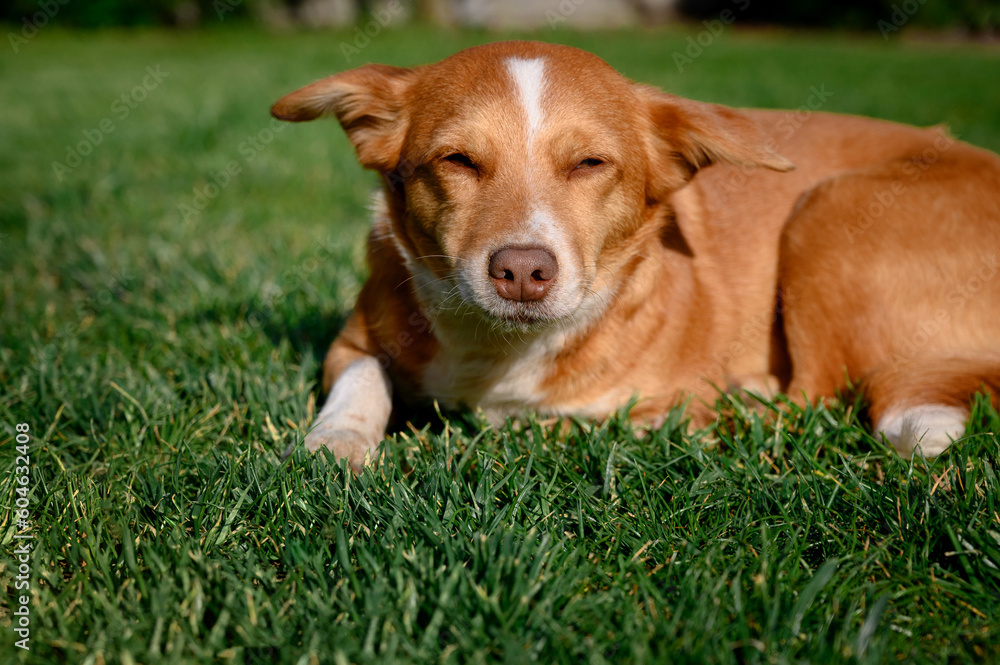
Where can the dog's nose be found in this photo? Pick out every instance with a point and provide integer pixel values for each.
(523, 274)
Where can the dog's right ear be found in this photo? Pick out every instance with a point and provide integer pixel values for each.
(369, 104)
(688, 136)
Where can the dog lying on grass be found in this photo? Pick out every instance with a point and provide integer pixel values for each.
(553, 237)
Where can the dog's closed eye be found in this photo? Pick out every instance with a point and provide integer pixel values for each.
(458, 159)
(586, 167)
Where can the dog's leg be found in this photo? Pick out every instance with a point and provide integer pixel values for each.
(352, 422)
(353, 419)
(903, 301)
(931, 428)
(764, 385)
(925, 403)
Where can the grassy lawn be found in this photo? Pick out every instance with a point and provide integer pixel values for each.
(167, 296)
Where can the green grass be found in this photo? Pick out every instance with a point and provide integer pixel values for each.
(164, 361)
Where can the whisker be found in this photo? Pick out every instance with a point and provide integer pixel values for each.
(444, 305)
(434, 284)
(440, 256)
(603, 301)
(436, 279)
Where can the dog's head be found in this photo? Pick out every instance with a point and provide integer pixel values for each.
(514, 169)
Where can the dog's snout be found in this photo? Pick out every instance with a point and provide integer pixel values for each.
(523, 274)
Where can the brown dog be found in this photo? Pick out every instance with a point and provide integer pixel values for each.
(556, 238)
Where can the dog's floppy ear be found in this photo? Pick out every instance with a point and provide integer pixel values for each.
(368, 102)
(689, 135)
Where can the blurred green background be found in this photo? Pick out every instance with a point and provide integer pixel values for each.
(974, 16)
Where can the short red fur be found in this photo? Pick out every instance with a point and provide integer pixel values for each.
(693, 256)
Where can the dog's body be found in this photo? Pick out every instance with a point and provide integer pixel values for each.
(553, 237)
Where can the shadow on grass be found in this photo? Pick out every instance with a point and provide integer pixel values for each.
(308, 332)
(311, 332)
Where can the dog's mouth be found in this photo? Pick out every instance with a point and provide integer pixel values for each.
(521, 315)
(503, 315)
(460, 302)
(465, 298)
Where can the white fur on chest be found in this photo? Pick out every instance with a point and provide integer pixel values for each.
(501, 382)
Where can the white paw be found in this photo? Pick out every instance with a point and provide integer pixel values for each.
(358, 448)
(764, 385)
(931, 427)
(352, 421)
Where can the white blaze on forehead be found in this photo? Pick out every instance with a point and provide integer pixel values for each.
(529, 79)
(540, 227)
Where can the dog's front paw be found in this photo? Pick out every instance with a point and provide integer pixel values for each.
(764, 385)
(358, 448)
